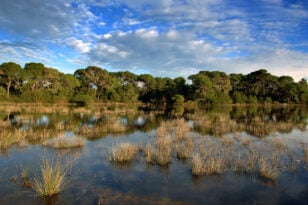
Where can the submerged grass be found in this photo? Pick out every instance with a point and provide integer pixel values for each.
(53, 179)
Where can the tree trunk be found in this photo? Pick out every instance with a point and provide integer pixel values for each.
(8, 89)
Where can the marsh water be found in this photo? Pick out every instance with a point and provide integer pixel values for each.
(95, 179)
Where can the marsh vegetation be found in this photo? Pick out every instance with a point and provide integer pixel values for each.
(147, 157)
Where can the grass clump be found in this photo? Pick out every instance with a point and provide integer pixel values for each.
(197, 165)
(123, 153)
(65, 142)
(267, 169)
(52, 180)
(169, 135)
(163, 150)
(214, 165)
(160, 152)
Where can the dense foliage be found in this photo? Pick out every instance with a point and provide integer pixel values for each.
(37, 83)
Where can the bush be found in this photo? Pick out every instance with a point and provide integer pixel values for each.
(82, 100)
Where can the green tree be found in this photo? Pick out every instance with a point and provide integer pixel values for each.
(203, 88)
(287, 90)
(211, 87)
(11, 75)
(97, 80)
(303, 91)
(34, 73)
(128, 90)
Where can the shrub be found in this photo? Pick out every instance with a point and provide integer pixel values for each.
(82, 100)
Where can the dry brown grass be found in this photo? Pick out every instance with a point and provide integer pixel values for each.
(159, 152)
(183, 143)
(306, 155)
(267, 169)
(170, 135)
(149, 153)
(279, 143)
(196, 165)
(226, 141)
(110, 126)
(210, 158)
(184, 147)
(180, 129)
(10, 137)
(53, 179)
(163, 150)
(245, 163)
(213, 164)
(123, 153)
(64, 142)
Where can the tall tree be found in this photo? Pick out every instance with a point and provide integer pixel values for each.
(11, 75)
(98, 80)
(203, 87)
(34, 75)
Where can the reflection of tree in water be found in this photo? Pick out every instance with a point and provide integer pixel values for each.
(258, 121)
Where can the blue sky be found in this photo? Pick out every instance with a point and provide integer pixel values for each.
(163, 37)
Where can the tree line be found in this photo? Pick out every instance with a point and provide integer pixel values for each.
(37, 83)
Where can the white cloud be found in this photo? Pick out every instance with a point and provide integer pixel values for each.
(131, 22)
(163, 37)
(101, 24)
(23, 53)
(78, 44)
(147, 33)
(107, 35)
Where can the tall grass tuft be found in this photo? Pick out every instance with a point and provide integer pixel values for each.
(163, 150)
(267, 169)
(63, 142)
(123, 153)
(160, 152)
(197, 165)
(53, 179)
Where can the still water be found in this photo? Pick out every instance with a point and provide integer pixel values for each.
(278, 134)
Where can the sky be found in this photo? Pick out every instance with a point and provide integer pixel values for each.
(166, 38)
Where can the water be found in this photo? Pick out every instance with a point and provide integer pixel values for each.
(97, 180)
